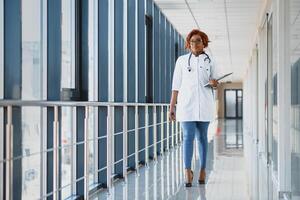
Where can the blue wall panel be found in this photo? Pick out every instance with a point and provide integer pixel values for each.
(131, 42)
(156, 52)
(82, 7)
(118, 82)
(156, 68)
(12, 82)
(141, 75)
(103, 85)
(131, 51)
(53, 77)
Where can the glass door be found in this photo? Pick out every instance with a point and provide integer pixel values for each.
(233, 104)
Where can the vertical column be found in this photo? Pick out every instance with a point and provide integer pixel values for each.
(44, 40)
(168, 60)
(111, 80)
(125, 142)
(118, 84)
(1, 95)
(136, 139)
(141, 80)
(55, 155)
(162, 57)
(9, 156)
(176, 133)
(131, 75)
(12, 82)
(168, 134)
(86, 154)
(53, 81)
(284, 98)
(93, 41)
(82, 64)
(156, 53)
(125, 85)
(109, 161)
(147, 135)
(180, 131)
(172, 133)
(155, 133)
(162, 130)
(103, 89)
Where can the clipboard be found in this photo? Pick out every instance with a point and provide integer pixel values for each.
(220, 78)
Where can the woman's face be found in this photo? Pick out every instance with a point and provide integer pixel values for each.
(196, 44)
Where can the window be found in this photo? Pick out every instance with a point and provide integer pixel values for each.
(176, 51)
(68, 44)
(93, 88)
(32, 84)
(233, 103)
(68, 85)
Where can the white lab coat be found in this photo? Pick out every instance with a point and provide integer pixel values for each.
(195, 102)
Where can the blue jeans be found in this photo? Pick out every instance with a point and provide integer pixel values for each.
(190, 129)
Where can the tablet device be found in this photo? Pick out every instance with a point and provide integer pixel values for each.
(220, 78)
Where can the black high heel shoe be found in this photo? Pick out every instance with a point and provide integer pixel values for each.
(190, 184)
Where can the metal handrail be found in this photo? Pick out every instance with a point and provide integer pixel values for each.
(4, 103)
(175, 137)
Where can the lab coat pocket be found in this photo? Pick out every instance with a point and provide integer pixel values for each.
(208, 71)
(184, 96)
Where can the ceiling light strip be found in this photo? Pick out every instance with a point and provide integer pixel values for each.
(187, 4)
(228, 36)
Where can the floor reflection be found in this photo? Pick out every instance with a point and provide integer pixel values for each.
(164, 179)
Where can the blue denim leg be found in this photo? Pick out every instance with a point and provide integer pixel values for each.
(201, 135)
(189, 129)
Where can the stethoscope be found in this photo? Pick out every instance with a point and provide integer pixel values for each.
(207, 58)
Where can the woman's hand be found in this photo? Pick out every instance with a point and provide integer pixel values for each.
(213, 83)
(172, 115)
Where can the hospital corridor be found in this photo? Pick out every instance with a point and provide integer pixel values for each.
(150, 99)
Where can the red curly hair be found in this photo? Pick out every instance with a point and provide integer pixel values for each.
(203, 36)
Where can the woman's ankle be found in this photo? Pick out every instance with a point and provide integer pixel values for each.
(189, 175)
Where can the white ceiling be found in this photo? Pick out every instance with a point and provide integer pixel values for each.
(230, 25)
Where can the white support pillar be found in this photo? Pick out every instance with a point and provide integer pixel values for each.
(9, 155)
(1, 92)
(168, 134)
(125, 93)
(172, 133)
(155, 133)
(136, 139)
(55, 154)
(180, 132)
(176, 133)
(284, 99)
(111, 71)
(125, 142)
(147, 135)
(162, 130)
(109, 148)
(86, 154)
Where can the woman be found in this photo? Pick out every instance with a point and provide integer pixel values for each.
(195, 107)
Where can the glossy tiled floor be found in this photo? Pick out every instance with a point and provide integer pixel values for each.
(226, 178)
